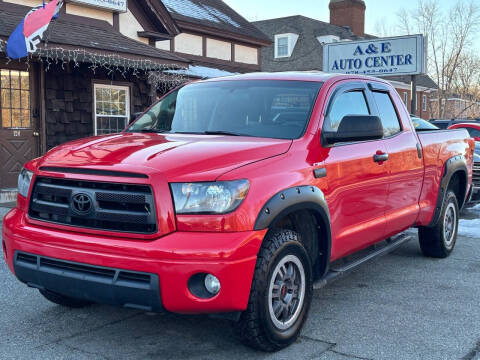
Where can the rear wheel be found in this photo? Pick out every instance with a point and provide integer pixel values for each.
(281, 293)
(63, 300)
(439, 241)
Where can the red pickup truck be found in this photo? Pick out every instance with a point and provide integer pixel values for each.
(238, 196)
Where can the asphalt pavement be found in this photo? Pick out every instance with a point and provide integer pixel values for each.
(402, 306)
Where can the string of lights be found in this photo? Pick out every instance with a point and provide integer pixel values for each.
(161, 76)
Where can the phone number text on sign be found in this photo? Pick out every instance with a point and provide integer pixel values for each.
(115, 5)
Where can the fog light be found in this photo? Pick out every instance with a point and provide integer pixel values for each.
(212, 284)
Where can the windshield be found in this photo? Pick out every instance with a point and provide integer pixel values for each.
(271, 109)
(423, 125)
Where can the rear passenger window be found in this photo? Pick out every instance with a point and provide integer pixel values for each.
(348, 103)
(388, 115)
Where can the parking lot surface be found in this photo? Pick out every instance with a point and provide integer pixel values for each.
(402, 306)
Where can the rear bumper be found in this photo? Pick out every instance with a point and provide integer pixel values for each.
(167, 262)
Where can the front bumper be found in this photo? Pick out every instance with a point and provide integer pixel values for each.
(172, 259)
(475, 196)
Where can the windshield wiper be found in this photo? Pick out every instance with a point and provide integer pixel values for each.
(220, 132)
(150, 130)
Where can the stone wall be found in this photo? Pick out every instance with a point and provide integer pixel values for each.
(69, 100)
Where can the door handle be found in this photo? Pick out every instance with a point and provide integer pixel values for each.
(419, 151)
(379, 158)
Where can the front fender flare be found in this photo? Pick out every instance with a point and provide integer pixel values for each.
(297, 198)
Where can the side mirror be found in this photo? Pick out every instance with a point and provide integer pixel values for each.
(134, 117)
(356, 128)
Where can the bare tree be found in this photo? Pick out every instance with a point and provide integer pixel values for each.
(383, 28)
(466, 81)
(404, 22)
(450, 39)
(467, 76)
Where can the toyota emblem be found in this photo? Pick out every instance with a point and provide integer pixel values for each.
(82, 203)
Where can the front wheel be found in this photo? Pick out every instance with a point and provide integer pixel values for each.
(281, 293)
(439, 241)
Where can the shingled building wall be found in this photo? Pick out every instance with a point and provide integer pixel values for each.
(69, 100)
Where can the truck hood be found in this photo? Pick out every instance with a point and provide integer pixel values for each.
(178, 157)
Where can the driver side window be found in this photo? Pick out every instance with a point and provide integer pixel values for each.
(348, 103)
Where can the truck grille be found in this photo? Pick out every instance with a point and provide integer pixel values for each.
(476, 174)
(94, 205)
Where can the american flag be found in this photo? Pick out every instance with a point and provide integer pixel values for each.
(29, 33)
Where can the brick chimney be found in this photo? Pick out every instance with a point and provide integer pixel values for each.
(349, 13)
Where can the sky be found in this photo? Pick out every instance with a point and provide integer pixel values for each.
(377, 10)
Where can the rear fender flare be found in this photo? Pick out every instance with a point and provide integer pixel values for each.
(452, 166)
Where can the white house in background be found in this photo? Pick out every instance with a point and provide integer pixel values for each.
(297, 44)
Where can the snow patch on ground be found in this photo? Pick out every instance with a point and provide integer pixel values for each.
(470, 227)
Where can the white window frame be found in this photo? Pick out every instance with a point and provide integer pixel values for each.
(424, 102)
(291, 42)
(114, 87)
(405, 98)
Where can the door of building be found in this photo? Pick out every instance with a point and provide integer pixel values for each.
(18, 143)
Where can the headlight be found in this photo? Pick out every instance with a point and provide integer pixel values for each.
(24, 180)
(209, 198)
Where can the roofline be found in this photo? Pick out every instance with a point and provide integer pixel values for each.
(288, 17)
(181, 62)
(164, 16)
(186, 25)
(458, 99)
(305, 17)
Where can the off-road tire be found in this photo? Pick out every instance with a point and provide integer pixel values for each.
(64, 300)
(433, 240)
(256, 327)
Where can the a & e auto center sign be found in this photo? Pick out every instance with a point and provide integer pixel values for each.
(115, 5)
(403, 55)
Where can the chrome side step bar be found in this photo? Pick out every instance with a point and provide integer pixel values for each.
(337, 270)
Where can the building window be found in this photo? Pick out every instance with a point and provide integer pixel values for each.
(15, 99)
(405, 98)
(282, 47)
(112, 110)
(424, 102)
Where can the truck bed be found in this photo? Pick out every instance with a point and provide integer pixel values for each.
(439, 146)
